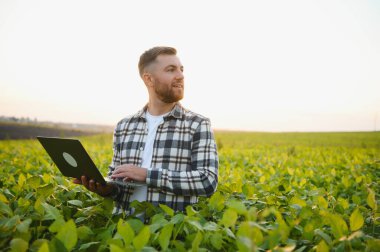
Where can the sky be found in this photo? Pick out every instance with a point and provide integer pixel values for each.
(249, 65)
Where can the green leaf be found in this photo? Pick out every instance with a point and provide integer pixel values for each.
(38, 206)
(116, 241)
(356, 220)
(197, 242)
(244, 244)
(125, 231)
(158, 221)
(136, 225)
(344, 203)
(21, 180)
(77, 203)
(247, 189)
(24, 226)
(142, 238)
(5, 209)
(33, 182)
(177, 218)
(68, 235)
(217, 241)
(19, 245)
(80, 219)
(229, 233)
(47, 178)
(52, 213)
(322, 202)
(115, 248)
(10, 224)
(44, 247)
(3, 198)
(56, 226)
(274, 238)
(195, 223)
(46, 190)
(84, 232)
(86, 246)
(229, 218)
(346, 181)
(107, 204)
(217, 201)
(190, 211)
(165, 235)
(257, 236)
(324, 236)
(211, 226)
(356, 199)
(251, 231)
(373, 245)
(167, 210)
(338, 226)
(179, 245)
(371, 201)
(322, 247)
(238, 206)
(298, 201)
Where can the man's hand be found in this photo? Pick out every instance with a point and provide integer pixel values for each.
(130, 173)
(102, 190)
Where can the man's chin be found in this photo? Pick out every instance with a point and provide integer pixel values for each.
(172, 99)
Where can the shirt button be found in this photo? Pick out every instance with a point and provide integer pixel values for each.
(141, 148)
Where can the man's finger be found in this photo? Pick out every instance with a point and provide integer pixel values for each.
(84, 181)
(120, 175)
(77, 181)
(116, 171)
(91, 185)
(120, 170)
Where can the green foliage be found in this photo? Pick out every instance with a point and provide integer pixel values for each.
(278, 192)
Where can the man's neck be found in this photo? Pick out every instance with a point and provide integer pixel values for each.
(159, 108)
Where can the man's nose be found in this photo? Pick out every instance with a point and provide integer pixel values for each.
(180, 75)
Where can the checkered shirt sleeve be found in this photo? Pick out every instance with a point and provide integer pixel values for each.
(202, 177)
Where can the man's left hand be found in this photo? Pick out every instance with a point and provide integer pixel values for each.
(130, 172)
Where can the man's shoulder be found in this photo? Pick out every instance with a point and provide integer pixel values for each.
(134, 118)
(193, 116)
(129, 118)
(196, 121)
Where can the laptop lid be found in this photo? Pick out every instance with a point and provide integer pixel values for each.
(71, 158)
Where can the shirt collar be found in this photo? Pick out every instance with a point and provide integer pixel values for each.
(177, 112)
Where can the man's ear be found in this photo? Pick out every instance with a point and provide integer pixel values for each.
(148, 79)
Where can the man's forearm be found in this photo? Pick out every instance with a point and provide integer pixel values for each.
(192, 183)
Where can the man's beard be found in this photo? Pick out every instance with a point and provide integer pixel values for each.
(167, 94)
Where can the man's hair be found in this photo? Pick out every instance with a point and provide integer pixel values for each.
(151, 55)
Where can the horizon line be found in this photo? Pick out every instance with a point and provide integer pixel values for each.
(214, 129)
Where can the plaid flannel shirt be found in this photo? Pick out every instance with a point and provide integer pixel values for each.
(184, 162)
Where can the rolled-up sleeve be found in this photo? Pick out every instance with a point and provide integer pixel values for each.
(202, 178)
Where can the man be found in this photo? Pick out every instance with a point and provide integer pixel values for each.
(169, 148)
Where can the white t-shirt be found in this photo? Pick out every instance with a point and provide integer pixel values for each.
(140, 192)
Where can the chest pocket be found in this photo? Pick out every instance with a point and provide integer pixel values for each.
(132, 145)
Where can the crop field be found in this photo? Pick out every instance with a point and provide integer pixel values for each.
(29, 131)
(276, 192)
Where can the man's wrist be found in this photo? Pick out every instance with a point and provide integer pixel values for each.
(114, 190)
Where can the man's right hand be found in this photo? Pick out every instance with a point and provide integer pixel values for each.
(96, 187)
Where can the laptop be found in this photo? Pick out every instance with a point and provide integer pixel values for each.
(73, 160)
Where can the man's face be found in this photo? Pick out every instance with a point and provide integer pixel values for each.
(167, 78)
